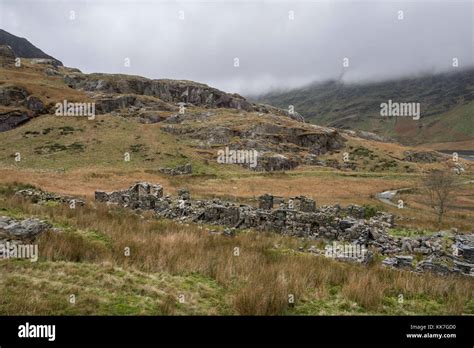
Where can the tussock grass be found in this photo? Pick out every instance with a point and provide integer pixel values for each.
(259, 281)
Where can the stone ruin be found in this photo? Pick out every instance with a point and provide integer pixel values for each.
(141, 195)
(300, 217)
(445, 252)
(36, 195)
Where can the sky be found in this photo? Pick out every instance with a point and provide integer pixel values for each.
(250, 47)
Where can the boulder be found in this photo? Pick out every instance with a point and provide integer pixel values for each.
(13, 95)
(34, 104)
(12, 119)
(26, 229)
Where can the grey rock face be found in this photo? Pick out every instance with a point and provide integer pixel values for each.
(179, 170)
(46, 61)
(433, 266)
(112, 103)
(34, 104)
(170, 91)
(422, 156)
(12, 119)
(13, 95)
(150, 117)
(279, 146)
(26, 229)
(7, 52)
(276, 162)
(7, 56)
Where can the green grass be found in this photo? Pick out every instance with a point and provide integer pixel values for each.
(407, 232)
(45, 288)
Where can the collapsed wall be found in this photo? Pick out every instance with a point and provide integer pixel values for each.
(140, 195)
(299, 216)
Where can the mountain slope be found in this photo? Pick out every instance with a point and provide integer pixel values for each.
(446, 104)
(23, 48)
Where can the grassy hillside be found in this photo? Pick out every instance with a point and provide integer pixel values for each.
(77, 156)
(446, 103)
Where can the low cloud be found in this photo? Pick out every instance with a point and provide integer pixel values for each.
(278, 44)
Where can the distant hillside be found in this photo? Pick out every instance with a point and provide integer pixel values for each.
(22, 47)
(446, 103)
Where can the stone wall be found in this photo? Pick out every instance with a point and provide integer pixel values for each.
(300, 217)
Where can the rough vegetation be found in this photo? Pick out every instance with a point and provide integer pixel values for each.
(223, 238)
(177, 268)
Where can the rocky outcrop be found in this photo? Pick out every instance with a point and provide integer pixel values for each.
(12, 119)
(7, 56)
(280, 145)
(108, 104)
(19, 105)
(13, 95)
(422, 156)
(38, 196)
(275, 162)
(263, 136)
(188, 93)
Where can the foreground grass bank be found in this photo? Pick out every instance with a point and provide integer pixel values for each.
(174, 268)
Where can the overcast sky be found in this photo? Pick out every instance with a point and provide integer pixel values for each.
(276, 48)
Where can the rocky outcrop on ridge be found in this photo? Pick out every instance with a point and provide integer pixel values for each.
(280, 146)
(188, 93)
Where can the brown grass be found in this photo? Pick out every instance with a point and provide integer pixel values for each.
(258, 281)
